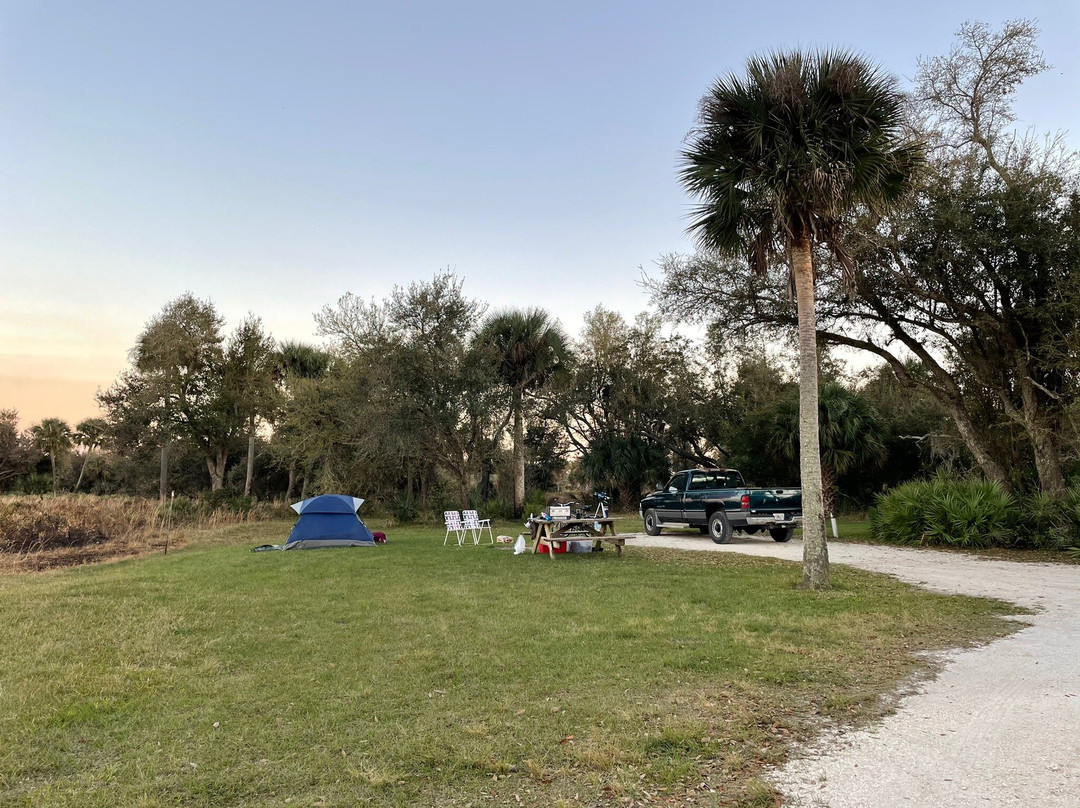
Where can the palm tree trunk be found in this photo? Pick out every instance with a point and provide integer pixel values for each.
(52, 465)
(815, 551)
(82, 469)
(828, 490)
(519, 452)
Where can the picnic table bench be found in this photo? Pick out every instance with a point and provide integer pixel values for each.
(554, 532)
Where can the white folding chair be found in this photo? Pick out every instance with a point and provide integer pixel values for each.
(452, 520)
(477, 525)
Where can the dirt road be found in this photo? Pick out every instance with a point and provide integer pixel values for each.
(999, 727)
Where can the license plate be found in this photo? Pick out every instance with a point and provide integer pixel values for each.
(779, 517)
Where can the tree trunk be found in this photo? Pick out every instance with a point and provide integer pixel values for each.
(292, 480)
(82, 470)
(969, 433)
(828, 491)
(216, 466)
(52, 465)
(1036, 424)
(250, 463)
(1047, 462)
(519, 452)
(163, 475)
(815, 551)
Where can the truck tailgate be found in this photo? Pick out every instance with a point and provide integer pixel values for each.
(778, 500)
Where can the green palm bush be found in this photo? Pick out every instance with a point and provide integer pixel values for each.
(945, 512)
(1053, 524)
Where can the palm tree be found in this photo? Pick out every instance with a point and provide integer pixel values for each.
(779, 160)
(296, 365)
(52, 436)
(529, 349)
(299, 360)
(852, 435)
(89, 433)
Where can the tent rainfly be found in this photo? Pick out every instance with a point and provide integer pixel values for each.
(329, 521)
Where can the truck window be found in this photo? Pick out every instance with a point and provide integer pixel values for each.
(699, 481)
(727, 479)
(678, 482)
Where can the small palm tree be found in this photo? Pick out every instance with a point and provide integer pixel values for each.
(781, 157)
(529, 349)
(52, 436)
(852, 435)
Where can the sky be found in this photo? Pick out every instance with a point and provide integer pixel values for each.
(272, 156)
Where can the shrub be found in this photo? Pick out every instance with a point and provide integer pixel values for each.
(405, 509)
(535, 501)
(948, 512)
(37, 532)
(33, 484)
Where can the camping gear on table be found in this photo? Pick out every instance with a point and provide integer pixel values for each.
(329, 521)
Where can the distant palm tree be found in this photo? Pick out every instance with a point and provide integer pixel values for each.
(852, 436)
(294, 363)
(88, 433)
(780, 158)
(52, 436)
(300, 360)
(529, 349)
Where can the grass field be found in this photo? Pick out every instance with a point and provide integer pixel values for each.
(412, 674)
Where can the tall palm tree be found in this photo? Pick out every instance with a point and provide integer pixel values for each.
(89, 433)
(529, 349)
(780, 158)
(52, 436)
(296, 365)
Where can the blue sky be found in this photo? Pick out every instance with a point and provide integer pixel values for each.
(273, 156)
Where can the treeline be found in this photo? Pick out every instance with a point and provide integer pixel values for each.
(968, 297)
(425, 401)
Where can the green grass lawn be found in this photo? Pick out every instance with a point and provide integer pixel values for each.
(412, 674)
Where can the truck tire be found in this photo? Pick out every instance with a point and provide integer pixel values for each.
(719, 528)
(652, 526)
(781, 533)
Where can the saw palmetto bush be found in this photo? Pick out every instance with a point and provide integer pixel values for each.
(947, 512)
(1052, 524)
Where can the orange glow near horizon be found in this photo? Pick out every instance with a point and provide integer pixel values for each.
(71, 400)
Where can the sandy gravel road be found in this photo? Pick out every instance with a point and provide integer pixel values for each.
(999, 727)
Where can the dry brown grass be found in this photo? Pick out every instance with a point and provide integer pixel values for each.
(41, 532)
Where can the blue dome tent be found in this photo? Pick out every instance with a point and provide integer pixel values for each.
(329, 521)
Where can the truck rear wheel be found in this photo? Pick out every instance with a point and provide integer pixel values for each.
(781, 533)
(652, 527)
(719, 528)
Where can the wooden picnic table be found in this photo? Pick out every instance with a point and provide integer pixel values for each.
(554, 532)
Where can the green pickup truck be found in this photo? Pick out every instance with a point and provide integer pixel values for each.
(717, 502)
